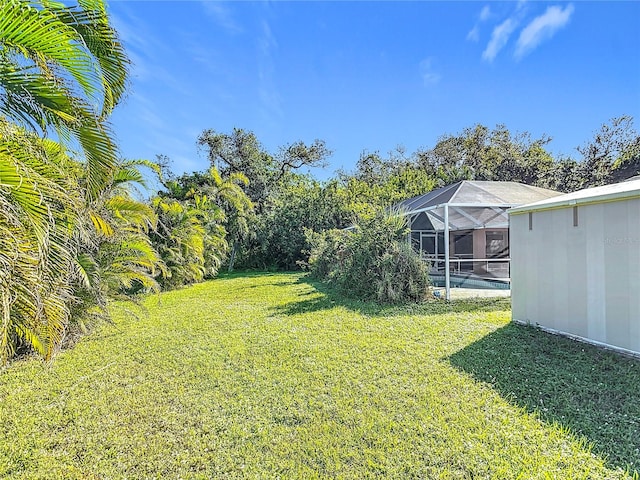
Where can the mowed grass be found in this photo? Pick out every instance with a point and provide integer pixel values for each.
(269, 376)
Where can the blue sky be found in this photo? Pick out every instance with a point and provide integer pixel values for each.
(372, 75)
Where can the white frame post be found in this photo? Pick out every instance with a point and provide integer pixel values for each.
(447, 282)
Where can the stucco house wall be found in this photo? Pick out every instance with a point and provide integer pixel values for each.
(575, 269)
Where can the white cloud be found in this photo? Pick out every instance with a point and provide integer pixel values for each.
(267, 40)
(204, 56)
(129, 34)
(268, 92)
(150, 118)
(474, 33)
(429, 77)
(222, 16)
(499, 38)
(139, 68)
(146, 51)
(485, 13)
(542, 28)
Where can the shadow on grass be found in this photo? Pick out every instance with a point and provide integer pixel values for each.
(262, 274)
(226, 275)
(593, 392)
(329, 298)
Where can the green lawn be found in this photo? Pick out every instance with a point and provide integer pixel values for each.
(265, 376)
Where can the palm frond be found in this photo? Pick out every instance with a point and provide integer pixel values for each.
(101, 224)
(86, 269)
(40, 36)
(124, 175)
(89, 19)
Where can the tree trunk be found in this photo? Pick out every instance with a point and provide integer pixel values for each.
(232, 258)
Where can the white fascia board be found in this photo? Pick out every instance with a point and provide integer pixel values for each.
(574, 199)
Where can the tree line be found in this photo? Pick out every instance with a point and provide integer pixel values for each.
(75, 234)
(288, 203)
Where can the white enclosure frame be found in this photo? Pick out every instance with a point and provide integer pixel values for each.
(440, 218)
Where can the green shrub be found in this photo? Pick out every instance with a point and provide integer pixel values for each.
(327, 251)
(373, 260)
(403, 275)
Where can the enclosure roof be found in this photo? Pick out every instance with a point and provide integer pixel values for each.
(606, 193)
(468, 193)
(470, 205)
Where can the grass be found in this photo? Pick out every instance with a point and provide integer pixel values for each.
(266, 376)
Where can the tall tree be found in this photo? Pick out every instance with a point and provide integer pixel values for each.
(200, 214)
(62, 70)
(479, 153)
(241, 152)
(613, 153)
(299, 205)
(380, 182)
(114, 254)
(63, 252)
(37, 211)
(227, 195)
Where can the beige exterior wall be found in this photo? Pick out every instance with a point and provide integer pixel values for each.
(480, 243)
(582, 280)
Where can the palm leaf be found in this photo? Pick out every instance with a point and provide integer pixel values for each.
(125, 175)
(40, 36)
(42, 49)
(37, 102)
(87, 269)
(90, 20)
(101, 224)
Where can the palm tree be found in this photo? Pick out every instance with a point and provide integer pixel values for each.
(197, 214)
(62, 68)
(114, 254)
(62, 71)
(237, 206)
(37, 213)
(63, 254)
(180, 239)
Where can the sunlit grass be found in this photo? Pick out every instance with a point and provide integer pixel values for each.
(264, 376)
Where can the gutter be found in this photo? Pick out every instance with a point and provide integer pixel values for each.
(572, 202)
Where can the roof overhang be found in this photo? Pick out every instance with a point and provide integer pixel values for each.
(605, 194)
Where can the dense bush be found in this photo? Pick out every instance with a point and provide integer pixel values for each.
(328, 251)
(300, 204)
(403, 275)
(370, 261)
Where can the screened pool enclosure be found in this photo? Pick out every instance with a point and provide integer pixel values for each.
(472, 215)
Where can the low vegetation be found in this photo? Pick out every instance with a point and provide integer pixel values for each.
(371, 260)
(267, 375)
